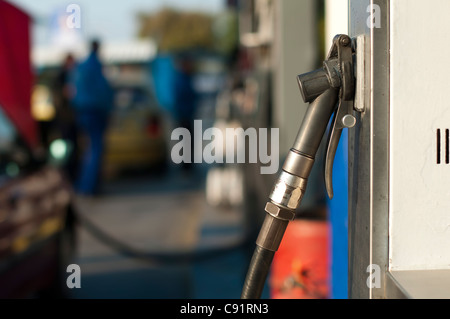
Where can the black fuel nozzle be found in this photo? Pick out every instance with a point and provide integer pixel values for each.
(322, 88)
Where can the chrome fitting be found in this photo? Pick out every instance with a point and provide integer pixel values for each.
(288, 191)
(298, 164)
(279, 212)
(271, 233)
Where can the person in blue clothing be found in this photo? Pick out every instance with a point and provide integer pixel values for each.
(92, 101)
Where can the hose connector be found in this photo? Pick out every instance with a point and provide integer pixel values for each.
(284, 200)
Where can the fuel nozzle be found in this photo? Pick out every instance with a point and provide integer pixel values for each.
(323, 89)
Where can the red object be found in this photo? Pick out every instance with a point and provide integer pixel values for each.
(154, 127)
(15, 70)
(300, 269)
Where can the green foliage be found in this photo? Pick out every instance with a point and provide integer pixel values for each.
(177, 31)
(226, 32)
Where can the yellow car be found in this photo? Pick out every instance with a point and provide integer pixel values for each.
(135, 139)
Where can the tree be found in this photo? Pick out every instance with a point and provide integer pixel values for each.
(177, 31)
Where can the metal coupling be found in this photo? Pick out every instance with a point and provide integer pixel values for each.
(271, 233)
(284, 199)
(288, 191)
(298, 164)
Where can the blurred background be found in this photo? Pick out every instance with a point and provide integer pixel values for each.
(99, 189)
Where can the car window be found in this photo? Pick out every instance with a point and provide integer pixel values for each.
(7, 133)
(131, 98)
(13, 156)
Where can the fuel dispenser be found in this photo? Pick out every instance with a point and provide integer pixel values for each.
(329, 90)
(388, 79)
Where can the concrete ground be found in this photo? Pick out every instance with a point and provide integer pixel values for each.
(168, 216)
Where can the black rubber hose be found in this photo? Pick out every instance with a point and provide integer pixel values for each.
(257, 273)
(154, 257)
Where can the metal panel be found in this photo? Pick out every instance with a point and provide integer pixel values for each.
(369, 155)
(393, 288)
(420, 135)
(420, 284)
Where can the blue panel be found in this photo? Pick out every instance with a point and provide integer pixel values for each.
(339, 222)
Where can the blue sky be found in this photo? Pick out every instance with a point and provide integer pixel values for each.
(112, 20)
